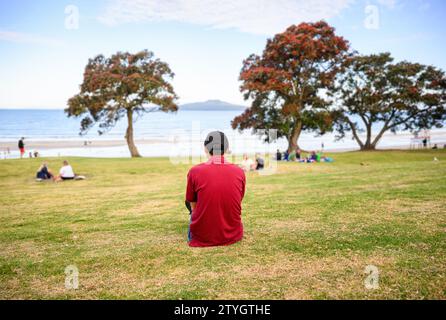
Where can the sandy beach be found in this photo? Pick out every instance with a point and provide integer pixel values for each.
(65, 143)
(150, 147)
(389, 141)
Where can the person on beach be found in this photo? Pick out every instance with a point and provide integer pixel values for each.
(21, 146)
(214, 193)
(65, 173)
(44, 173)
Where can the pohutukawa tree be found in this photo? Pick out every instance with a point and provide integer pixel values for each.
(385, 96)
(287, 81)
(124, 85)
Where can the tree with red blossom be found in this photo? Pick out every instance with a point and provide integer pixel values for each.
(376, 93)
(123, 85)
(286, 83)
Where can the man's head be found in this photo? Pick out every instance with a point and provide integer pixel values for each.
(216, 143)
(65, 163)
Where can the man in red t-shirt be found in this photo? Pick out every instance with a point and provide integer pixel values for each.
(214, 194)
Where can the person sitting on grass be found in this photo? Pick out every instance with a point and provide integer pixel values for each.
(298, 154)
(319, 156)
(260, 163)
(44, 173)
(278, 155)
(214, 193)
(313, 157)
(247, 163)
(66, 172)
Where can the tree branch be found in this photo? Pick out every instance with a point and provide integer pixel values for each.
(354, 132)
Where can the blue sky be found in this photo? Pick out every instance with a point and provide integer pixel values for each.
(44, 48)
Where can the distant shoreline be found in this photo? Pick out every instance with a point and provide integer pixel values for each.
(71, 143)
(42, 145)
(209, 105)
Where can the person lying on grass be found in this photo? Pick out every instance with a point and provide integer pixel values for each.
(214, 193)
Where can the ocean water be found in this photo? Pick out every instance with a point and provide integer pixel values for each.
(178, 133)
(54, 124)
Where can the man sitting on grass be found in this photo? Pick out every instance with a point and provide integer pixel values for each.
(214, 194)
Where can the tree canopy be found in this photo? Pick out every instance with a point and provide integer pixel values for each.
(286, 82)
(123, 85)
(373, 90)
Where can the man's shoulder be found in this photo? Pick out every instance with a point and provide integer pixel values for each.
(197, 167)
(205, 166)
(236, 168)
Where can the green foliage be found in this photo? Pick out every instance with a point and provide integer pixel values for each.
(123, 85)
(286, 81)
(398, 96)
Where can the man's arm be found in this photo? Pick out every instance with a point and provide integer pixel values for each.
(191, 196)
(243, 185)
(190, 206)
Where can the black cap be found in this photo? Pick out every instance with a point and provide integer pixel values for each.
(216, 143)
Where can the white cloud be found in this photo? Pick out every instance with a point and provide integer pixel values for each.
(252, 16)
(19, 37)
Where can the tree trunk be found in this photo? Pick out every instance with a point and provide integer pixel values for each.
(372, 145)
(368, 145)
(129, 135)
(292, 140)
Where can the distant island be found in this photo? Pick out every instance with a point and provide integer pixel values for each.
(211, 105)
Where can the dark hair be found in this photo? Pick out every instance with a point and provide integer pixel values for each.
(216, 143)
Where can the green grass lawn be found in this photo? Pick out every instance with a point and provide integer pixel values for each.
(310, 231)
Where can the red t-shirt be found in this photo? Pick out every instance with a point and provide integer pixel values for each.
(217, 187)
